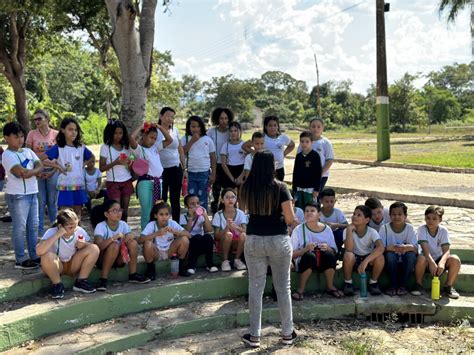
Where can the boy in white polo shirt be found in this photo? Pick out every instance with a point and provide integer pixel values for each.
(380, 215)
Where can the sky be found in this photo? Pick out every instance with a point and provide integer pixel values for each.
(246, 38)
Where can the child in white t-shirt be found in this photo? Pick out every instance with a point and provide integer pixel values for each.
(333, 217)
(314, 248)
(196, 221)
(118, 245)
(380, 215)
(400, 243)
(435, 255)
(232, 157)
(93, 181)
(200, 159)
(257, 143)
(65, 249)
(162, 238)
(363, 248)
(230, 230)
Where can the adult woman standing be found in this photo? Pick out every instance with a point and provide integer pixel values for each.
(40, 140)
(220, 118)
(268, 202)
(172, 159)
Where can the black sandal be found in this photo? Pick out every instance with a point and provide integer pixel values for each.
(297, 296)
(334, 293)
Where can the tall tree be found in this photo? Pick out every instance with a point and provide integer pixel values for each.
(454, 7)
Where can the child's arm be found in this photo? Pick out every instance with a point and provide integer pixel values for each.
(379, 249)
(133, 138)
(327, 166)
(444, 258)
(431, 262)
(182, 233)
(226, 168)
(144, 237)
(349, 241)
(168, 139)
(207, 223)
(104, 243)
(212, 178)
(45, 245)
(247, 147)
(99, 183)
(289, 148)
(194, 139)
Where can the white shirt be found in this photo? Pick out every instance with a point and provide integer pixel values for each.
(386, 219)
(220, 222)
(163, 242)
(363, 245)
(118, 173)
(234, 152)
(277, 147)
(390, 237)
(337, 216)
(325, 150)
(197, 226)
(435, 243)
(18, 185)
(170, 155)
(299, 214)
(152, 155)
(248, 162)
(65, 248)
(199, 155)
(218, 138)
(91, 180)
(104, 231)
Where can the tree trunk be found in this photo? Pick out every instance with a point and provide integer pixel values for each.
(19, 91)
(134, 50)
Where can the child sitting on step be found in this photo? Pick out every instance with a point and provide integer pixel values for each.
(380, 214)
(65, 249)
(333, 216)
(400, 243)
(162, 238)
(196, 221)
(435, 254)
(314, 248)
(363, 248)
(118, 245)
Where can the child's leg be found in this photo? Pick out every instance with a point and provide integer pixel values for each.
(409, 261)
(145, 196)
(18, 206)
(84, 259)
(32, 227)
(179, 246)
(420, 268)
(208, 247)
(52, 197)
(109, 255)
(338, 239)
(150, 252)
(328, 264)
(391, 264)
(324, 180)
(42, 198)
(453, 264)
(197, 184)
(124, 203)
(52, 267)
(377, 267)
(240, 245)
(348, 265)
(195, 249)
(132, 246)
(226, 243)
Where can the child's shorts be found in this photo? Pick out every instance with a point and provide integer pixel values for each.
(67, 265)
(359, 260)
(72, 198)
(117, 189)
(327, 260)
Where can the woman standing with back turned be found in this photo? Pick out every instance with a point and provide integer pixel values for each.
(268, 202)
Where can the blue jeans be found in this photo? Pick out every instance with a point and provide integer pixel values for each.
(407, 266)
(47, 197)
(24, 212)
(197, 185)
(260, 252)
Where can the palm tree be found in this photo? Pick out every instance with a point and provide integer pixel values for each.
(455, 6)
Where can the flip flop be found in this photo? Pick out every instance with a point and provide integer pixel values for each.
(297, 296)
(335, 293)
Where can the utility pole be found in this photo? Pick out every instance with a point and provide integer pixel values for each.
(318, 99)
(381, 103)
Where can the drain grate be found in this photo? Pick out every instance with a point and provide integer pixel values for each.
(413, 318)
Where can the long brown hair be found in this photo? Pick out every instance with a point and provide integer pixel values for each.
(260, 193)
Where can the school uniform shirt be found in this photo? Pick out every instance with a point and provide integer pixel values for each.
(170, 155)
(17, 185)
(118, 173)
(435, 242)
(104, 231)
(198, 157)
(163, 242)
(386, 219)
(390, 237)
(219, 221)
(336, 216)
(91, 180)
(277, 147)
(302, 235)
(307, 171)
(72, 160)
(197, 225)
(152, 155)
(234, 153)
(323, 146)
(219, 139)
(299, 214)
(365, 244)
(248, 162)
(65, 248)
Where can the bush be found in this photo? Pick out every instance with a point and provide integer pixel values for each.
(93, 127)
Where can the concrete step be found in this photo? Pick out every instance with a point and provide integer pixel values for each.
(154, 327)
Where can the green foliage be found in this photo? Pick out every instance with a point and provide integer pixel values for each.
(93, 127)
(441, 105)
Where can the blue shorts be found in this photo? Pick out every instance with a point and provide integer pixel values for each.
(72, 198)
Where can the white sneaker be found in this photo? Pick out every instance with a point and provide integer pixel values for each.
(191, 271)
(239, 265)
(212, 269)
(225, 266)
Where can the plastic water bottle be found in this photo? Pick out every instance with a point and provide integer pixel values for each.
(184, 187)
(174, 266)
(435, 288)
(363, 284)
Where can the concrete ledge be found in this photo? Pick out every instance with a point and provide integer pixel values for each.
(422, 167)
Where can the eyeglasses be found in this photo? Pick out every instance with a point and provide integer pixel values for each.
(36, 119)
(116, 210)
(230, 197)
